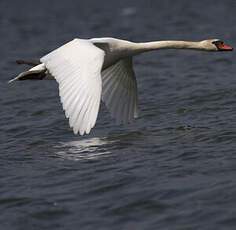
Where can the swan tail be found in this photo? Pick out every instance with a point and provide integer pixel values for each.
(38, 72)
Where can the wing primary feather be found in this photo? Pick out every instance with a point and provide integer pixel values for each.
(107, 84)
(85, 120)
(77, 68)
(120, 108)
(114, 83)
(118, 104)
(79, 118)
(75, 108)
(120, 90)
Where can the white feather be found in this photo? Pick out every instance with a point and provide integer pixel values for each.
(77, 68)
(120, 90)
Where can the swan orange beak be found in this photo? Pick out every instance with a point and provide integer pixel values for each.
(224, 47)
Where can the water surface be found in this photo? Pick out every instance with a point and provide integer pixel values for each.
(174, 168)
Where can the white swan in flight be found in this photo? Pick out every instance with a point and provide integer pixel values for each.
(91, 70)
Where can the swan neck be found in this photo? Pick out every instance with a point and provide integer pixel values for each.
(149, 46)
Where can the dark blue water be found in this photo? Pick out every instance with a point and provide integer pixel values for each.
(174, 168)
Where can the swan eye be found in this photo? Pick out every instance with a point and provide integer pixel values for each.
(218, 42)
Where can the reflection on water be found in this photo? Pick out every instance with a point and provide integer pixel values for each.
(91, 148)
(95, 147)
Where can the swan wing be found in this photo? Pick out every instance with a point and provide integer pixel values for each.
(119, 91)
(76, 67)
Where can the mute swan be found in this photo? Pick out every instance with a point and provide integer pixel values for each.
(88, 70)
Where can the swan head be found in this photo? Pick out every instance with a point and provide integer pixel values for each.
(215, 45)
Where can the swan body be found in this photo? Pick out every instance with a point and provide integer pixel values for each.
(91, 70)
